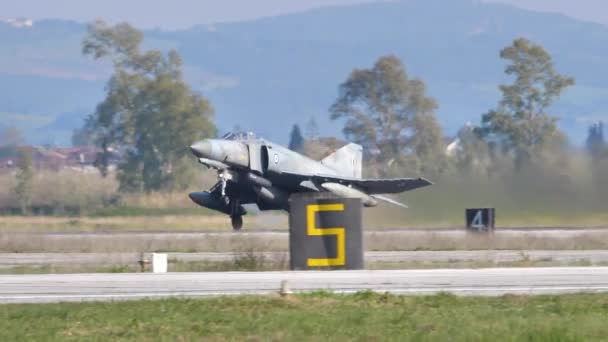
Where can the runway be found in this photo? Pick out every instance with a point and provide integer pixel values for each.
(483, 282)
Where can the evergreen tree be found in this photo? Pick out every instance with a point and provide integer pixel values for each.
(296, 140)
(25, 177)
(596, 145)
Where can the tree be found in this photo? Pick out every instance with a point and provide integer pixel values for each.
(321, 147)
(391, 116)
(25, 177)
(11, 136)
(312, 129)
(472, 155)
(596, 145)
(296, 140)
(10, 140)
(521, 125)
(149, 113)
(82, 137)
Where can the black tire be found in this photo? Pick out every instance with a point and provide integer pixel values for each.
(237, 222)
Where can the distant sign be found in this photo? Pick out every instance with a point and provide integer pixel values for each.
(480, 219)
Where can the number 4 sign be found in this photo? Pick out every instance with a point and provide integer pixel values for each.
(480, 219)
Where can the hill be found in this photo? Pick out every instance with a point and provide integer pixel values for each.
(290, 66)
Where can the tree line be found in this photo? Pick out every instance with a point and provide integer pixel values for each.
(152, 115)
(392, 116)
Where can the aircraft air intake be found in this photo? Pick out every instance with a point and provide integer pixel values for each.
(272, 195)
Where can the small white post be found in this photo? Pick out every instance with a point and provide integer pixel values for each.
(159, 262)
(285, 289)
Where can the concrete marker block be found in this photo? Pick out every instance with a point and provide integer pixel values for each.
(159, 262)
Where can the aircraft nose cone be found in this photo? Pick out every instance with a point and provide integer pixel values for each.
(201, 149)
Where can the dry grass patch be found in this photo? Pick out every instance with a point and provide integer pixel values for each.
(461, 240)
(230, 242)
(137, 223)
(137, 242)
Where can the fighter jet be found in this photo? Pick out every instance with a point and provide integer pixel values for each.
(256, 171)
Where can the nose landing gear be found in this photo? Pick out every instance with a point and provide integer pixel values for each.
(230, 197)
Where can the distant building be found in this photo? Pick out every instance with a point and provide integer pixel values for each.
(452, 147)
(81, 158)
(7, 163)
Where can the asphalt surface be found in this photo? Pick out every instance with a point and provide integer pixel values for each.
(591, 256)
(484, 282)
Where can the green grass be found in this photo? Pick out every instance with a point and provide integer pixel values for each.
(519, 201)
(318, 317)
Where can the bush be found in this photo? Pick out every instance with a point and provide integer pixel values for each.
(63, 192)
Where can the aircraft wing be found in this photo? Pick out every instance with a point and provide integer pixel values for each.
(377, 186)
(371, 186)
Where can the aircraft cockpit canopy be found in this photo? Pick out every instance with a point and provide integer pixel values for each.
(238, 136)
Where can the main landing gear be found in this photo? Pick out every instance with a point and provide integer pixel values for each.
(236, 216)
(237, 222)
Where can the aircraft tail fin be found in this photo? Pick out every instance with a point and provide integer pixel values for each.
(346, 160)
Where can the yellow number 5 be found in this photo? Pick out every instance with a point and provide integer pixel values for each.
(339, 232)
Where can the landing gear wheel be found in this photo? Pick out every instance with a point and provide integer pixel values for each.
(237, 222)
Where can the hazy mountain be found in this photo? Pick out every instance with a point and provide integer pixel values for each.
(267, 74)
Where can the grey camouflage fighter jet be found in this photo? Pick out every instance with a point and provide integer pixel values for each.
(256, 171)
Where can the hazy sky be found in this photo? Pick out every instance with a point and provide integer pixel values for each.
(185, 13)
(160, 13)
(589, 10)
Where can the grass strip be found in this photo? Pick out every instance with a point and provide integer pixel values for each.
(319, 316)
